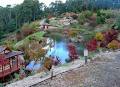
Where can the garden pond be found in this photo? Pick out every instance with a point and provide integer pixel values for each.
(59, 50)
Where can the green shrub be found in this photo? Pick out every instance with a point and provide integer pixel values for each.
(108, 13)
(84, 15)
(81, 18)
(98, 13)
(117, 24)
(76, 25)
(34, 25)
(100, 19)
(47, 20)
(102, 16)
(88, 14)
(88, 36)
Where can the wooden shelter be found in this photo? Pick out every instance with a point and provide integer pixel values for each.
(45, 25)
(9, 62)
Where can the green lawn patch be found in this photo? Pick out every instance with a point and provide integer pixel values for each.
(37, 36)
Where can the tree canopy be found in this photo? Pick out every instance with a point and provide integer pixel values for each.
(12, 18)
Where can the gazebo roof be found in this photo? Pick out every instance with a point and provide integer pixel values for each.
(13, 53)
(46, 24)
(2, 49)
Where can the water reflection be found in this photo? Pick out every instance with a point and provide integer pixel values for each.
(59, 50)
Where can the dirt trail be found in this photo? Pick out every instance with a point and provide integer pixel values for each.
(102, 72)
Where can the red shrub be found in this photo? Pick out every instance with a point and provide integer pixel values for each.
(110, 35)
(92, 45)
(103, 44)
(72, 51)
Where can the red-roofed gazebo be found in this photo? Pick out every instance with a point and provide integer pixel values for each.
(9, 62)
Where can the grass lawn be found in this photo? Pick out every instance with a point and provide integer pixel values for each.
(37, 36)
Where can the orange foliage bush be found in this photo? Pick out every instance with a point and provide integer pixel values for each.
(18, 36)
(72, 33)
(31, 28)
(114, 44)
(27, 31)
(33, 50)
(48, 63)
(40, 53)
(31, 53)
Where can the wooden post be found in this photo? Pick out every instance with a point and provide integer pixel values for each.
(47, 26)
(10, 64)
(3, 70)
(86, 55)
(43, 26)
(52, 72)
(17, 61)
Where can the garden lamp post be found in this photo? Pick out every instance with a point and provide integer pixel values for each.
(52, 69)
(86, 55)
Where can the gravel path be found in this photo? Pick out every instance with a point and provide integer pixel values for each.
(102, 72)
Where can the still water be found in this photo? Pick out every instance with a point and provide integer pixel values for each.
(59, 50)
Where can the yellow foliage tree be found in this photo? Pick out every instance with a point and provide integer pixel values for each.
(40, 53)
(31, 53)
(72, 33)
(99, 36)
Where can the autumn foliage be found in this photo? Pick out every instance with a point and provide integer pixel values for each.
(92, 45)
(104, 39)
(114, 44)
(72, 33)
(99, 36)
(72, 51)
(48, 63)
(110, 35)
(28, 29)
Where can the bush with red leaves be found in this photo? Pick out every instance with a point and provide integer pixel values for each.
(92, 45)
(110, 35)
(72, 51)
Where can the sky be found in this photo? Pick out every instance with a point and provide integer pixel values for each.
(13, 2)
